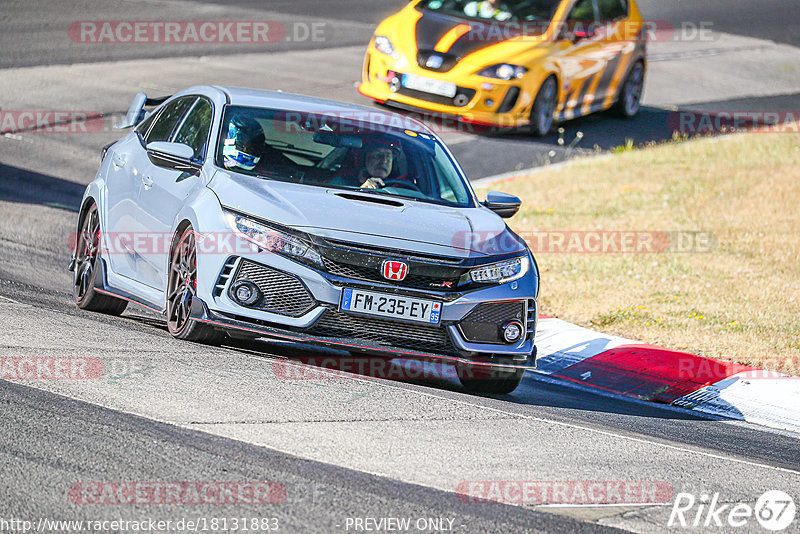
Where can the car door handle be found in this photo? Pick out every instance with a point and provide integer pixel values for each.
(118, 161)
(147, 181)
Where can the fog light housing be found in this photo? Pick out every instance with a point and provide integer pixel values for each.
(245, 293)
(512, 332)
(461, 100)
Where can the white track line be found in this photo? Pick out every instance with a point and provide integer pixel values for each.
(615, 435)
(579, 427)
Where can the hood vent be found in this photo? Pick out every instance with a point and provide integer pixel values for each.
(370, 198)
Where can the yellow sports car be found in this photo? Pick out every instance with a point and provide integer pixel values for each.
(509, 63)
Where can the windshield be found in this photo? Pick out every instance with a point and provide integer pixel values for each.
(496, 10)
(329, 150)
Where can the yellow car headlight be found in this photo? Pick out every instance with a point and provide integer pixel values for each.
(384, 45)
(504, 71)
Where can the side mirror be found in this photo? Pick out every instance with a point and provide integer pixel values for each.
(588, 33)
(576, 32)
(503, 204)
(176, 156)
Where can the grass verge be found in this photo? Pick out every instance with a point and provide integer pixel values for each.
(736, 297)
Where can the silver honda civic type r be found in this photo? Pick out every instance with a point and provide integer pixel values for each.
(267, 215)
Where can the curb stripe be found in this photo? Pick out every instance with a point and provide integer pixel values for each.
(650, 373)
(647, 372)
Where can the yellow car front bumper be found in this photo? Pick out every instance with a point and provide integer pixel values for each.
(478, 99)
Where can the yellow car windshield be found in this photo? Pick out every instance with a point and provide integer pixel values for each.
(499, 10)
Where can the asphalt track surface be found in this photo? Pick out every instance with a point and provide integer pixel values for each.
(362, 447)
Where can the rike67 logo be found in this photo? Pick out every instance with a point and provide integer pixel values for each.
(774, 510)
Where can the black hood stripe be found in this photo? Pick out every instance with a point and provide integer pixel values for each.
(432, 27)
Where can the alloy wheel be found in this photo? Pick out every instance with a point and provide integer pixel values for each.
(182, 286)
(86, 254)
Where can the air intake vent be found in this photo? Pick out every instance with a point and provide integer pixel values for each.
(485, 322)
(374, 200)
(224, 276)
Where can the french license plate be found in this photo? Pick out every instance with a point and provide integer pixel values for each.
(428, 85)
(394, 306)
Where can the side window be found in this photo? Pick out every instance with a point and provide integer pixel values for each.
(611, 10)
(196, 127)
(169, 119)
(582, 11)
(144, 125)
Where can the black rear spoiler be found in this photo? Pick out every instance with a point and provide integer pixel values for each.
(136, 111)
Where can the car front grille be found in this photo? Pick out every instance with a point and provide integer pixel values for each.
(485, 322)
(448, 61)
(383, 333)
(357, 262)
(281, 292)
(463, 96)
(373, 274)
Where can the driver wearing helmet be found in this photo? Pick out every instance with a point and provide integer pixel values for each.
(244, 145)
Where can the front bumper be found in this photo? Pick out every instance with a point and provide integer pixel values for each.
(312, 314)
(482, 101)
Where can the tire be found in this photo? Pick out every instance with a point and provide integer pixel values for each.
(493, 380)
(629, 99)
(181, 289)
(544, 108)
(87, 258)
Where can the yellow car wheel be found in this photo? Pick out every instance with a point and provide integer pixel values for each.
(544, 108)
(629, 100)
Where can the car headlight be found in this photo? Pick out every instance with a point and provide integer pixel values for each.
(384, 45)
(504, 71)
(501, 272)
(272, 240)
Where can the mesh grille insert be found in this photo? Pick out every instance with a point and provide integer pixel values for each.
(374, 331)
(437, 99)
(282, 293)
(483, 323)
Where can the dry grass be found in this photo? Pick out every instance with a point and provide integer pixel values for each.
(739, 302)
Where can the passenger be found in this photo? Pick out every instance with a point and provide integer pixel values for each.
(486, 9)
